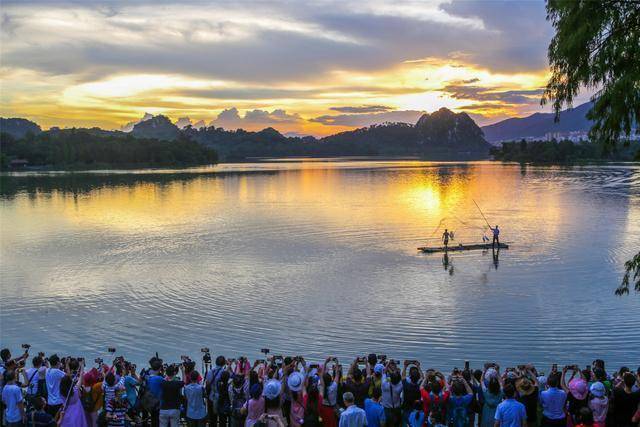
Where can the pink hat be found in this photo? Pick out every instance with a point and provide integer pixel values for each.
(578, 388)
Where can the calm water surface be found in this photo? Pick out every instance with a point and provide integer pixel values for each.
(318, 257)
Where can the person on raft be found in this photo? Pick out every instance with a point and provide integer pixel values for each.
(445, 237)
(496, 236)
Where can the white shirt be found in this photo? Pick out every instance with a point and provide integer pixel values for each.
(390, 393)
(33, 375)
(53, 378)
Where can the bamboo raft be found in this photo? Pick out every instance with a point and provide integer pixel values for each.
(460, 247)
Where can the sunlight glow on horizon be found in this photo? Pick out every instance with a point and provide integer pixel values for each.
(70, 65)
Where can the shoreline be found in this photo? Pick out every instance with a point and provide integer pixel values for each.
(293, 159)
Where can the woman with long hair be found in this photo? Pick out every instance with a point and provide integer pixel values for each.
(492, 396)
(72, 413)
(328, 395)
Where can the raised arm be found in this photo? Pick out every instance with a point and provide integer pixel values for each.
(467, 387)
(563, 382)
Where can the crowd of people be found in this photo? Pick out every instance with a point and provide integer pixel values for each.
(277, 391)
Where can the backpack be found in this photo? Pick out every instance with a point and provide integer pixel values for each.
(212, 387)
(42, 388)
(223, 404)
(411, 394)
(148, 400)
(459, 416)
(238, 400)
(31, 397)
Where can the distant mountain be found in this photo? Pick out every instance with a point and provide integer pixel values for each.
(18, 128)
(158, 127)
(538, 124)
(442, 135)
(446, 131)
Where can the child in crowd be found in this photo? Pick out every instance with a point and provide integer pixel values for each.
(416, 417)
(598, 403)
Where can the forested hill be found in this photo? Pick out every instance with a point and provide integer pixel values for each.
(442, 135)
(95, 148)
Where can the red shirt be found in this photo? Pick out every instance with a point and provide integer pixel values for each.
(442, 399)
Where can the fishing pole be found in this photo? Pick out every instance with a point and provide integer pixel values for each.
(485, 218)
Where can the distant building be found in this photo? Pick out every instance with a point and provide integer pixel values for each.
(574, 136)
(18, 163)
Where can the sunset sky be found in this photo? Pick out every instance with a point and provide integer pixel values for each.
(307, 67)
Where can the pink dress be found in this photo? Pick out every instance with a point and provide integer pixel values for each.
(255, 408)
(74, 415)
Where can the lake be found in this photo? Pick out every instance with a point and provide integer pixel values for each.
(318, 257)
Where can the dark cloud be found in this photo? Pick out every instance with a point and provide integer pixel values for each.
(366, 119)
(343, 36)
(479, 93)
(363, 109)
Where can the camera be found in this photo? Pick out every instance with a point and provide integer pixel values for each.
(26, 346)
(111, 350)
(99, 360)
(265, 351)
(314, 366)
(204, 350)
(382, 357)
(206, 357)
(81, 359)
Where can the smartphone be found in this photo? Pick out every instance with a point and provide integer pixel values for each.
(26, 346)
(466, 365)
(264, 350)
(111, 350)
(204, 350)
(314, 366)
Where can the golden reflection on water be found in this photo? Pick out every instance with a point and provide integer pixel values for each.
(410, 194)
